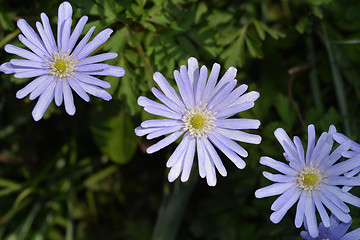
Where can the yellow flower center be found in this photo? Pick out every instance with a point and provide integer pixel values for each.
(311, 178)
(198, 121)
(61, 65)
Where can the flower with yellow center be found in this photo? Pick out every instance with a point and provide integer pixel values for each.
(311, 179)
(198, 121)
(201, 112)
(60, 66)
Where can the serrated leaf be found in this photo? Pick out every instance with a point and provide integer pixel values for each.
(259, 29)
(200, 10)
(254, 48)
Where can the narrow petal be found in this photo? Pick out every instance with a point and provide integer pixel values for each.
(213, 77)
(109, 71)
(79, 47)
(31, 73)
(323, 214)
(285, 197)
(239, 163)
(193, 72)
(97, 58)
(299, 150)
(164, 142)
(167, 89)
(140, 131)
(336, 155)
(22, 53)
(177, 168)
(300, 210)
(248, 97)
(78, 89)
(222, 93)
(164, 131)
(229, 75)
(31, 86)
(200, 87)
(279, 166)
(44, 38)
(68, 98)
(76, 33)
(278, 177)
(41, 87)
(66, 35)
(286, 204)
(188, 160)
(180, 149)
(322, 148)
(353, 235)
(160, 123)
(214, 157)
(238, 123)
(200, 149)
(39, 53)
(64, 13)
(48, 31)
(231, 144)
(95, 91)
(43, 102)
(27, 63)
(232, 97)
(273, 189)
(167, 101)
(85, 78)
(287, 144)
(184, 89)
(92, 67)
(210, 171)
(311, 142)
(310, 217)
(30, 34)
(230, 111)
(343, 167)
(345, 217)
(99, 39)
(58, 93)
(239, 135)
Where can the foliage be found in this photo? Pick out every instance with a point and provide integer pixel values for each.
(88, 176)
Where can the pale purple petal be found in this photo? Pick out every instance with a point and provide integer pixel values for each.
(164, 142)
(97, 58)
(31, 86)
(68, 98)
(43, 102)
(76, 33)
(188, 160)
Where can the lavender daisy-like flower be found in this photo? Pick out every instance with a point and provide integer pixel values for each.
(201, 113)
(60, 66)
(311, 180)
(336, 231)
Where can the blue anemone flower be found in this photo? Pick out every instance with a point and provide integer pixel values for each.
(201, 112)
(60, 66)
(311, 180)
(336, 231)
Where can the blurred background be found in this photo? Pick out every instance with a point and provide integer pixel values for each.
(88, 176)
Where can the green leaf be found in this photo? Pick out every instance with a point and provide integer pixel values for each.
(200, 10)
(113, 131)
(96, 177)
(302, 25)
(259, 29)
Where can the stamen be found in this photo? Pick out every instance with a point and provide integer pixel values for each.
(198, 121)
(311, 178)
(61, 64)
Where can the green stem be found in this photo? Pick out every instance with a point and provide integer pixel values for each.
(314, 81)
(338, 81)
(172, 209)
(9, 37)
(143, 57)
